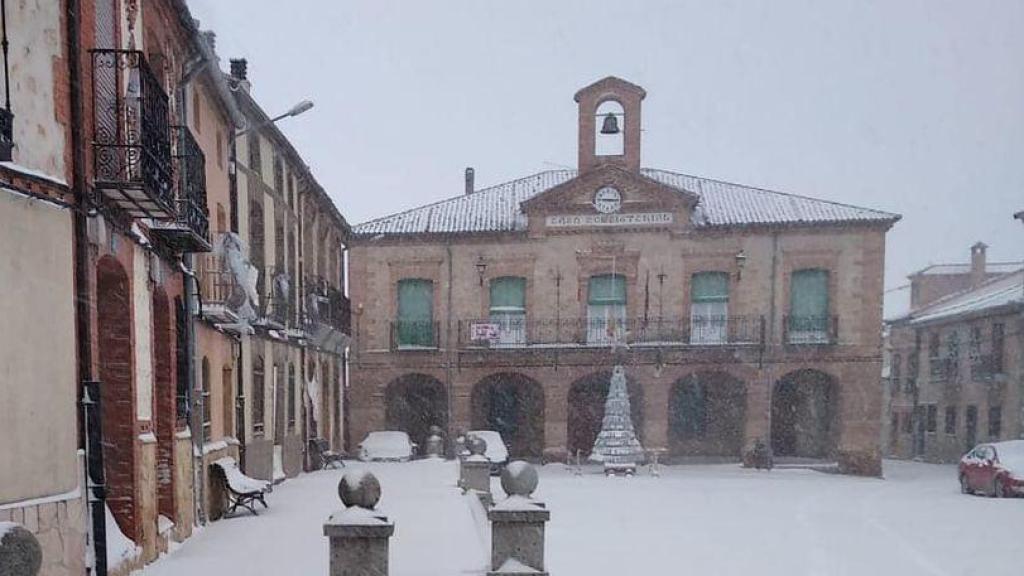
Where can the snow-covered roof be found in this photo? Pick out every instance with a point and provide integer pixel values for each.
(999, 292)
(720, 204)
(965, 268)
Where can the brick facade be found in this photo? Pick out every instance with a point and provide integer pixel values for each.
(825, 392)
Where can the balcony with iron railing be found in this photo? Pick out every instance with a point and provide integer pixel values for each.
(985, 367)
(189, 231)
(941, 368)
(218, 288)
(278, 298)
(327, 306)
(414, 334)
(510, 331)
(810, 330)
(132, 162)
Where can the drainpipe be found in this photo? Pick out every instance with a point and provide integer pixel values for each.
(772, 313)
(90, 425)
(192, 68)
(448, 345)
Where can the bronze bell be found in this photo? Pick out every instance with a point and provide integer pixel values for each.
(610, 125)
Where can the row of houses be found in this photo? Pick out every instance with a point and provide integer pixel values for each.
(954, 364)
(174, 281)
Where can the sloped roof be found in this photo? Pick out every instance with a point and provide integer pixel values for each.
(721, 204)
(965, 268)
(999, 292)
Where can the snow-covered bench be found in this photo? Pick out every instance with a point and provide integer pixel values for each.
(328, 458)
(242, 490)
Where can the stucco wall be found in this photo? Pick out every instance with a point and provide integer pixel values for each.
(37, 351)
(142, 301)
(34, 33)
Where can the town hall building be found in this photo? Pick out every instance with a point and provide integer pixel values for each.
(738, 313)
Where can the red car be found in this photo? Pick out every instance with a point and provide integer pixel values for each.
(996, 469)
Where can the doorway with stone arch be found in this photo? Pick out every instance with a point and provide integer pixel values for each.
(804, 415)
(511, 404)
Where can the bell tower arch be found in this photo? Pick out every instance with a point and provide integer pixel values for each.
(609, 124)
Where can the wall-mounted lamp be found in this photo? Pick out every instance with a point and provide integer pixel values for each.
(741, 261)
(481, 268)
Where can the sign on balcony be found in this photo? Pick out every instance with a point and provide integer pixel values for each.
(484, 331)
(609, 220)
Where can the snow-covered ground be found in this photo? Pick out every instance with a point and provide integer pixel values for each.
(717, 519)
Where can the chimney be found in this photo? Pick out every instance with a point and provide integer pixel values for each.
(978, 264)
(211, 39)
(470, 181)
(239, 68)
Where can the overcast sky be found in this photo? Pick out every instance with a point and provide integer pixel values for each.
(910, 106)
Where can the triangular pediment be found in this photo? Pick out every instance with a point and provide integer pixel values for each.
(611, 197)
(637, 192)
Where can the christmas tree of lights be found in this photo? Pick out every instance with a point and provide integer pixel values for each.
(617, 445)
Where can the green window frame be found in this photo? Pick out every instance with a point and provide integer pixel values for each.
(709, 307)
(415, 324)
(809, 306)
(606, 308)
(508, 308)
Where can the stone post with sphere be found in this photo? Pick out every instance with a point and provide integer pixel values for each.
(20, 553)
(517, 524)
(475, 471)
(358, 534)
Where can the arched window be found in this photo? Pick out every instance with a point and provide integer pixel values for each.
(508, 309)
(606, 308)
(609, 135)
(258, 399)
(709, 308)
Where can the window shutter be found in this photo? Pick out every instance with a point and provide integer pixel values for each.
(508, 294)
(709, 287)
(416, 300)
(808, 294)
(607, 289)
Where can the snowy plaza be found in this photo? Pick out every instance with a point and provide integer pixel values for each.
(709, 519)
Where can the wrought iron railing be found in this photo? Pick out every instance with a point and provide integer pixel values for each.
(812, 330)
(131, 134)
(328, 305)
(986, 366)
(941, 368)
(515, 332)
(415, 334)
(217, 284)
(279, 296)
(6, 134)
(191, 175)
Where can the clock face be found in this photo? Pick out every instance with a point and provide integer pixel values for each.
(607, 200)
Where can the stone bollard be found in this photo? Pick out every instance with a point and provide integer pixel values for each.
(435, 445)
(358, 534)
(517, 524)
(20, 554)
(475, 471)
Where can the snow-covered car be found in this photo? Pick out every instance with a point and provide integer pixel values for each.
(386, 446)
(995, 469)
(496, 451)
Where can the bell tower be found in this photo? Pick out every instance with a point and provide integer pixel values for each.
(609, 124)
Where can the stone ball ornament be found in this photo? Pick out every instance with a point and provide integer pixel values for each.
(477, 446)
(20, 554)
(519, 478)
(359, 488)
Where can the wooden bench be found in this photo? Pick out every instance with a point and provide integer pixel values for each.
(328, 458)
(242, 490)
